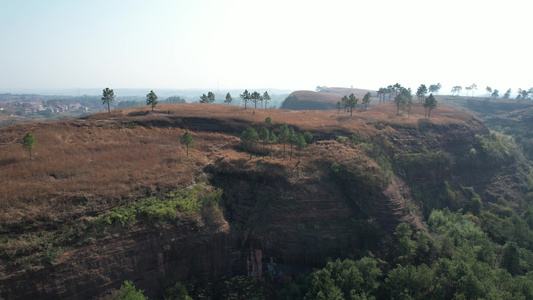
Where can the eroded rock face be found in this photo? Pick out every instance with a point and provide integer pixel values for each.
(299, 216)
(153, 258)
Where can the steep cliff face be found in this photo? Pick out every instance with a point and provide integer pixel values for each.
(153, 258)
(298, 214)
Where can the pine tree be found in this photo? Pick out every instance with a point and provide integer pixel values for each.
(245, 97)
(108, 96)
(283, 136)
(263, 135)
(430, 104)
(248, 138)
(228, 99)
(352, 102)
(266, 98)
(151, 99)
(188, 141)
(300, 144)
(272, 138)
(292, 140)
(366, 99)
(28, 141)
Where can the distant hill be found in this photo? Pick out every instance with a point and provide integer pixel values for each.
(323, 100)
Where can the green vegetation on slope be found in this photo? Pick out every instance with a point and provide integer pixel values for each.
(167, 208)
(45, 246)
(455, 259)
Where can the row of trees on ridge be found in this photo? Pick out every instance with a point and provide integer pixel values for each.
(396, 88)
(351, 101)
(250, 137)
(286, 134)
(255, 97)
(522, 94)
(403, 97)
(108, 96)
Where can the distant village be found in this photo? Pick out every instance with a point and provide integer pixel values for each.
(26, 108)
(33, 108)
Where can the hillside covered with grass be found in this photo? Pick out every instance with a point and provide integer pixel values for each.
(114, 197)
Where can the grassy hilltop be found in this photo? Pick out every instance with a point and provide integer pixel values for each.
(110, 197)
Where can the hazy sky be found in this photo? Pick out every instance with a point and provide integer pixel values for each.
(264, 44)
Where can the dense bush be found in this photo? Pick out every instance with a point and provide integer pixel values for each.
(425, 160)
(166, 208)
(455, 259)
(128, 292)
(496, 148)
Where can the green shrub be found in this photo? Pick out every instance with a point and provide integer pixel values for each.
(496, 148)
(163, 208)
(335, 167)
(341, 139)
(358, 137)
(128, 292)
(424, 160)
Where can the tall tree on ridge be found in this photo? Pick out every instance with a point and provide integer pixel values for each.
(467, 88)
(519, 94)
(228, 99)
(292, 140)
(489, 91)
(397, 88)
(28, 142)
(507, 94)
(409, 104)
(108, 96)
(430, 104)
(283, 136)
(399, 100)
(248, 138)
(245, 97)
(473, 87)
(211, 97)
(187, 140)
(456, 90)
(263, 135)
(300, 144)
(272, 138)
(352, 102)
(266, 98)
(255, 97)
(434, 88)
(151, 99)
(421, 92)
(366, 99)
(344, 101)
(379, 93)
(524, 94)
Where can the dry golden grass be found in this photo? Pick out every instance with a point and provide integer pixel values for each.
(91, 166)
(94, 163)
